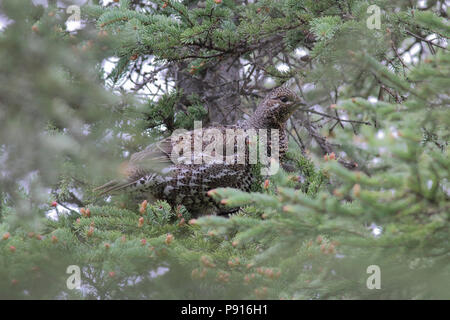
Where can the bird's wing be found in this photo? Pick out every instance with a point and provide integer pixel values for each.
(156, 158)
(153, 159)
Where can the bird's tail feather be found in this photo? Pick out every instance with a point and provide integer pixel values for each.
(113, 185)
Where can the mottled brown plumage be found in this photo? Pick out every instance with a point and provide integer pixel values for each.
(155, 173)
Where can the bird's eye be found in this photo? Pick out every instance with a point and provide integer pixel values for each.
(284, 99)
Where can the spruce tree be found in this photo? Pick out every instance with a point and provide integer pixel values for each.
(367, 188)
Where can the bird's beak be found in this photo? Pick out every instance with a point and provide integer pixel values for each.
(297, 104)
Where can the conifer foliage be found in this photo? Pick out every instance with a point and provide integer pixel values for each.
(366, 186)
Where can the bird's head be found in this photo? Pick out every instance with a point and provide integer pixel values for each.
(276, 108)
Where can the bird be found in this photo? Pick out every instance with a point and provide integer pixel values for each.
(155, 172)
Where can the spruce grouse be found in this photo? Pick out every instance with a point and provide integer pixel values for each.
(162, 171)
